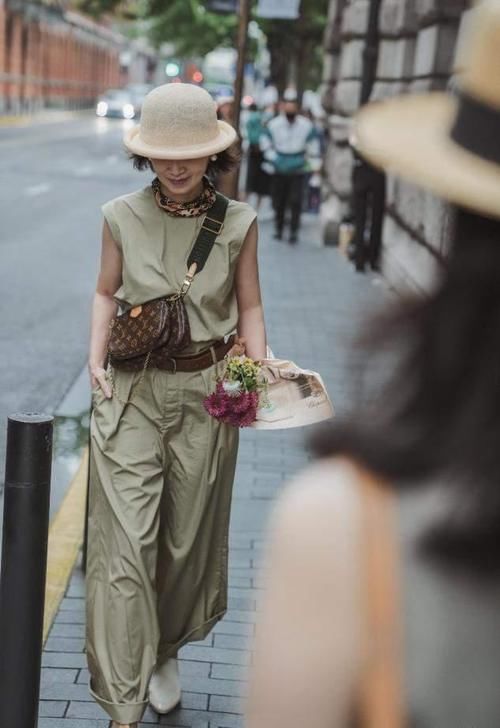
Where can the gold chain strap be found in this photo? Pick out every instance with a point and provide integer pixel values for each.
(111, 379)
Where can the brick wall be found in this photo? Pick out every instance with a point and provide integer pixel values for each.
(53, 59)
(416, 51)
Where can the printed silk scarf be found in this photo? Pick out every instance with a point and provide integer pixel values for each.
(193, 208)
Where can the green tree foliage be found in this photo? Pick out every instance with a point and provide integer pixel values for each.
(188, 24)
(295, 45)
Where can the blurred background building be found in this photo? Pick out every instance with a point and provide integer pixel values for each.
(52, 56)
(376, 49)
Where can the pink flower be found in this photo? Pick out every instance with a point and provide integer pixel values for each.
(236, 409)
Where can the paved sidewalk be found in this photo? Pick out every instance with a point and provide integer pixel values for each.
(311, 296)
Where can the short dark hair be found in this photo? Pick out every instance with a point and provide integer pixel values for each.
(225, 162)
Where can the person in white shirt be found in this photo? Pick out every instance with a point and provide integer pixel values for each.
(288, 142)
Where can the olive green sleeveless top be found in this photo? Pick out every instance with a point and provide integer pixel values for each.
(155, 247)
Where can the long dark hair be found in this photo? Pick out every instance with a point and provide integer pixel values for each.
(439, 415)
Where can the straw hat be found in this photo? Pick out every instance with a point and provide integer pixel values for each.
(179, 121)
(448, 144)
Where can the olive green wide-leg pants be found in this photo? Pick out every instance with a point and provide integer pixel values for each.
(161, 478)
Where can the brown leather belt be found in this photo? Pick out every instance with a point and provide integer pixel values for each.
(197, 362)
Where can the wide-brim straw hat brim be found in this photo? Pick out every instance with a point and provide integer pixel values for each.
(410, 136)
(226, 136)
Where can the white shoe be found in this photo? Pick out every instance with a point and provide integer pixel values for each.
(165, 687)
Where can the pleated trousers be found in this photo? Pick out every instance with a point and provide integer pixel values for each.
(161, 479)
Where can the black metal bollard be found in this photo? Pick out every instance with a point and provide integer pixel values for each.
(24, 564)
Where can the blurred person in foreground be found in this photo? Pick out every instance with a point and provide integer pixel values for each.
(288, 142)
(383, 576)
(258, 181)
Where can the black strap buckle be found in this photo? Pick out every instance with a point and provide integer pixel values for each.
(214, 226)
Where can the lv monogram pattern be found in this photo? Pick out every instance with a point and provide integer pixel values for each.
(160, 329)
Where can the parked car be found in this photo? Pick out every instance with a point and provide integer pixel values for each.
(118, 103)
(138, 91)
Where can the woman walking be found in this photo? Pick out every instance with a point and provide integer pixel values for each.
(161, 468)
(384, 576)
(258, 181)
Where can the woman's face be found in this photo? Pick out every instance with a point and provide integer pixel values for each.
(181, 179)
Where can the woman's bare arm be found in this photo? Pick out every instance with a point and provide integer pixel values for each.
(104, 308)
(251, 326)
(307, 651)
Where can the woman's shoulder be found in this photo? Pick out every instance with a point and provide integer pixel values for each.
(133, 200)
(323, 501)
(240, 210)
(332, 482)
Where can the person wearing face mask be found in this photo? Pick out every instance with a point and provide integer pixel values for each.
(288, 142)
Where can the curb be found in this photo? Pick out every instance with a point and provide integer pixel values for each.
(65, 541)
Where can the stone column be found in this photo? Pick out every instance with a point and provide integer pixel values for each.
(416, 54)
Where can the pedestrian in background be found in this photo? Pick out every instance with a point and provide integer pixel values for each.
(162, 469)
(383, 581)
(258, 181)
(288, 141)
(226, 182)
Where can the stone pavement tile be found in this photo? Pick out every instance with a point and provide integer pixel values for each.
(223, 704)
(76, 589)
(72, 617)
(71, 723)
(241, 572)
(241, 615)
(58, 675)
(213, 686)
(90, 709)
(197, 719)
(240, 602)
(229, 672)
(240, 582)
(225, 626)
(70, 605)
(64, 659)
(63, 629)
(232, 642)
(53, 708)
(64, 644)
(65, 691)
(213, 654)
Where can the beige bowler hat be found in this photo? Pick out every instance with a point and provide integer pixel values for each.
(448, 144)
(179, 121)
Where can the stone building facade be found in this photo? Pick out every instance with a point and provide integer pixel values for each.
(52, 57)
(415, 51)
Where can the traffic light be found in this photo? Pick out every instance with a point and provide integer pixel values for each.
(172, 68)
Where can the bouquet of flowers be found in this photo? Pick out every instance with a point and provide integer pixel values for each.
(237, 394)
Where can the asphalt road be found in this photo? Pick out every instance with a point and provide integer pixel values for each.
(53, 179)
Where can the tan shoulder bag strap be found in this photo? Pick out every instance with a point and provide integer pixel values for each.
(381, 699)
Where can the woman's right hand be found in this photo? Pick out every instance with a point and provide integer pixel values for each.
(98, 379)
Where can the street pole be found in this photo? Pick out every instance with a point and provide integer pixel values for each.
(240, 73)
(24, 564)
(242, 56)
